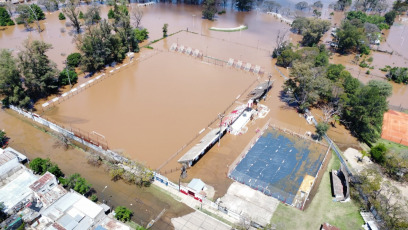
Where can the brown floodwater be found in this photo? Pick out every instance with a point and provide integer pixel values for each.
(146, 203)
(152, 108)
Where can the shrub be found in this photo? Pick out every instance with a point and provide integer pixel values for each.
(123, 214)
(321, 129)
(363, 64)
(370, 59)
(81, 15)
(61, 16)
(94, 198)
(141, 34)
(41, 166)
(111, 14)
(365, 50)
(368, 72)
(378, 153)
(74, 59)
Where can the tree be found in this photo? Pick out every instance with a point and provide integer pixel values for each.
(81, 15)
(50, 5)
(111, 14)
(390, 17)
(342, 4)
(351, 37)
(209, 9)
(65, 74)
(92, 14)
(317, 13)
(365, 112)
(77, 183)
(61, 16)
(400, 6)
(378, 153)
(74, 59)
(302, 5)
(94, 198)
(11, 87)
(41, 166)
(271, 6)
(5, 19)
(318, 5)
(123, 214)
(141, 34)
(39, 72)
(100, 47)
(321, 129)
(3, 138)
(398, 74)
(165, 27)
(28, 14)
(124, 29)
(286, 57)
(244, 5)
(137, 15)
(312, 29)
(72, 13)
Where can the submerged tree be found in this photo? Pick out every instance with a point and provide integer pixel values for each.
(28, 14)
(244, 5)
(39, 72)
(271, 6)
(72, 13)
(136, 15)
(209, 9)
(92, 14)
(165, 26)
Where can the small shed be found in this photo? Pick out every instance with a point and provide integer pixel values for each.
(195, 187)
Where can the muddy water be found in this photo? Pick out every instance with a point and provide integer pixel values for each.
(151, 109)
(146, 203)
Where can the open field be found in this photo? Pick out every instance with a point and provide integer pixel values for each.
(322, 209)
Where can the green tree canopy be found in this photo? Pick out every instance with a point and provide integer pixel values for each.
(41, 166)
(351, 37)
(312, 29)
(5, 19)
(378, 153)
(398, 74)
(63, 77)
(123, 214)
(321, 129)
(11, 86)
(39, 71)
(74, 59)
(209, 9)
(77, 183)
(141, 34)
(61, 16)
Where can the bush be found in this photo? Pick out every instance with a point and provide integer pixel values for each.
(74, 59)
(398, 74)
(390, 17)
(370, 59)
(363, 64)
(378, 153)
(94, 198)
(365, 50)
(77, 183)
(368, 72)
(61, 16)
(123, 214)
(321, 129)
(63, 77)
(111, 14)
(81, 15)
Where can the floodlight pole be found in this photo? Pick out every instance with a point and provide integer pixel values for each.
(220, 116)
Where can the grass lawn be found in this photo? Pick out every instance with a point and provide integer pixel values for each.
(322, 209)
(392, 145)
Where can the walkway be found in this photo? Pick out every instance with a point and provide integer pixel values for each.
(198, 220)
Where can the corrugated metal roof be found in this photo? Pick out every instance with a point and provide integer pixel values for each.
(39, 184)
(6, 157)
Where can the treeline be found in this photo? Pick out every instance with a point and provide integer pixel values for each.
(359, 30)
(315, 82)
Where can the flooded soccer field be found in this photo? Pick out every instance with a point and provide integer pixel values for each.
(152, 108)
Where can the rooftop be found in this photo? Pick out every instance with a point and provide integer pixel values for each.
(199, 148)
(6, 157)
(196, 184)
(17, 190)
(44, 179)
(20, 156)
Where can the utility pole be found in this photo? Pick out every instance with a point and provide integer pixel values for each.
(220, 116)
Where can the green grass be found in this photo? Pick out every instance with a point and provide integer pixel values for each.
(322, 209)
(134, 225)
(392, 145)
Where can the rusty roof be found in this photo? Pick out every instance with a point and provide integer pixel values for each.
(37, 185)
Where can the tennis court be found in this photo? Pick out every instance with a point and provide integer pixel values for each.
(281, 165)
(395, 127)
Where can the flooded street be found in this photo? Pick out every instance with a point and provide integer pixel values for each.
(146, 203)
